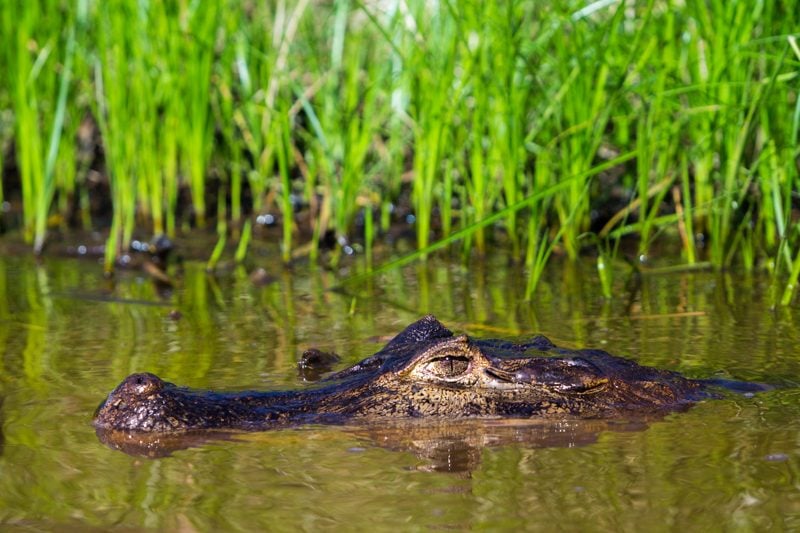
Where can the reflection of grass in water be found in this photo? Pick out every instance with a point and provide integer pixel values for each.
(270, 108)
(233, 334)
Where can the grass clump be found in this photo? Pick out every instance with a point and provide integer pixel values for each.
(523, 124)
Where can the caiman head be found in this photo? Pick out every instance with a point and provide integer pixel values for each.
(425, 371)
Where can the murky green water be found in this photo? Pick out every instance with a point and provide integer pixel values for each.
(67, 338)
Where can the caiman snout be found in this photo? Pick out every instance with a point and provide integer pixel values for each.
(135, 389)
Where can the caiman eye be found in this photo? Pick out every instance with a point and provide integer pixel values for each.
(449, 366)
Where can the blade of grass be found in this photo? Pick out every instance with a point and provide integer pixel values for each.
(491, 219)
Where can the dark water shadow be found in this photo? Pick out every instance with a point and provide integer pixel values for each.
(442, 446)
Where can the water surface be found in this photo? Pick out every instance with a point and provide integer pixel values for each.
(67, 337)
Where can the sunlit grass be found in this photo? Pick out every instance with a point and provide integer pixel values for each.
(464, 112)
(39, 92)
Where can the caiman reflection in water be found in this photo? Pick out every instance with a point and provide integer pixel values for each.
(440, 445)
(424, 372)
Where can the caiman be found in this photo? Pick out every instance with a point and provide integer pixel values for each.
(425, 371)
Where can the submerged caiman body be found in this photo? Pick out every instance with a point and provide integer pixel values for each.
(425, 371)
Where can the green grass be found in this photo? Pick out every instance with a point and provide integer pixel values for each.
(494, 122)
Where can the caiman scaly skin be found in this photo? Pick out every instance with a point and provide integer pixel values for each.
(425, 371)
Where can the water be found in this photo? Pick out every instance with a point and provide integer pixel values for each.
(67, 337)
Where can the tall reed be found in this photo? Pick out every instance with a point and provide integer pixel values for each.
(456, 111)
(39, 59)
(197, 34)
